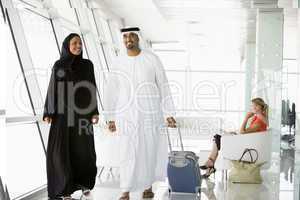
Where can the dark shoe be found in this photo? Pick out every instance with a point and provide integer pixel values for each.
(148, 194)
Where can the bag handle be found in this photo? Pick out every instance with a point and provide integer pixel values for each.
(249, 151)
(180, 138)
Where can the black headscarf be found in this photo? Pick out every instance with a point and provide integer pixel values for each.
(66, 56)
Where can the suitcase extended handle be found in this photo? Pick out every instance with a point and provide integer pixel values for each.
(180, 138)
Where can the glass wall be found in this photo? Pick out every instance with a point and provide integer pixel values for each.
(202, 86)
(42, 45)
(291, 81)
(18, 103)
(33, 41)
(290, 140)
(26, 163)
(3, 61)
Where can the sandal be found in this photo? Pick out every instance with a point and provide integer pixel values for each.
(207, 166)
(67, 198)
(86, 195)
(124, 197)
(148, 194)
(210, 171)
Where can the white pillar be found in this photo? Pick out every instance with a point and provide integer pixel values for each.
(269, 50)
(297, 142)
(269, 53)
(297, 103)
(249, 69)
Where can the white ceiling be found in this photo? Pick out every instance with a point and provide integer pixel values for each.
(230, 21)
(147, 16)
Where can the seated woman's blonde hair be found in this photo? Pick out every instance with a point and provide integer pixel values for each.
(265, 107)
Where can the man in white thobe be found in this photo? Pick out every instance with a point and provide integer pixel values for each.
(138, 102)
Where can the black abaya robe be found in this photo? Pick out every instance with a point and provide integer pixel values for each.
(71, 157)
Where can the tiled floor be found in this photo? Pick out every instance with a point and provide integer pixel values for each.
(279, 183)
(212, 189)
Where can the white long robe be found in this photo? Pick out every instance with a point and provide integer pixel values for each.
(138, 98)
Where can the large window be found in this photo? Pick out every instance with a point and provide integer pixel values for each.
(3, 61)
(177, 81)
(291, 70)
(42, 46)
(33, 42)
(65, 11)
(291, 82)
(26, 164)
(217, 91)
(204, 86)
(96, 30)
(106, 29)
(3, 146)
(105, 34)
(18, 102)
(173, 55)
(115, 31)
(23, 143)
(173, 59)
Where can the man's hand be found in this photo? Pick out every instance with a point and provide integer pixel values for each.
(47, 119)
(171, 122)
(112, 126)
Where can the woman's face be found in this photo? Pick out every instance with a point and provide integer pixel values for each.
(75, 46)
(256, 108)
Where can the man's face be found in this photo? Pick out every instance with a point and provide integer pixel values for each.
(131, 40)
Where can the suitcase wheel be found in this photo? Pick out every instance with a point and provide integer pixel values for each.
(198, 193)
(169, 192)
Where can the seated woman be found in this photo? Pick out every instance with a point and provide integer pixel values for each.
(259, 122)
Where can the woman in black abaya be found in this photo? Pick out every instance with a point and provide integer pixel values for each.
(71, 108)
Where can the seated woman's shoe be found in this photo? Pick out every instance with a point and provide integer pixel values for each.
(209, 167)
(86, 195)
(148, 194)
(209, 164)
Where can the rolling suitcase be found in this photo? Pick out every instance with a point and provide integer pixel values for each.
(183, 170)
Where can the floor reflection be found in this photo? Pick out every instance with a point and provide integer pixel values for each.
(287, 166)
(281, 181)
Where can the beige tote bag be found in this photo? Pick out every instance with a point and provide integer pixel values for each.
(247, 172)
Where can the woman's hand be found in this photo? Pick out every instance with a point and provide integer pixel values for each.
(249, 115)
(112, 126)
(245, 121)
(47, 119)
(95, 119)
(171, 122)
